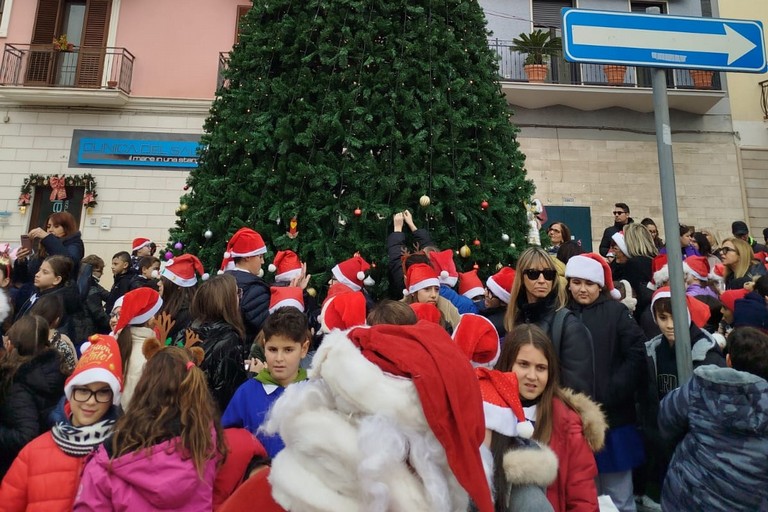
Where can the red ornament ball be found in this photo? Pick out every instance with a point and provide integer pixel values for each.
(484, 205)
(186, 187)
(476, 242)
(475, 266)
(358, 212)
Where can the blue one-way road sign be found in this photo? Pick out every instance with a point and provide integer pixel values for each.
(663, 41)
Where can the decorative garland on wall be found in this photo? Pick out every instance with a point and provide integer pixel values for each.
(58, 184)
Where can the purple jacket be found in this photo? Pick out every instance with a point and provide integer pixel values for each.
(160, 479)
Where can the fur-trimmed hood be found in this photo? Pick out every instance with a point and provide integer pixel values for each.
(592, 417)
(530, 465)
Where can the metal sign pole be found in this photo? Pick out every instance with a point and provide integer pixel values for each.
(671, 226)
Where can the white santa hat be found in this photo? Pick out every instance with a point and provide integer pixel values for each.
(618, 239)
(592, 267)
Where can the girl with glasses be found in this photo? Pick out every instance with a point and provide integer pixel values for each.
(538, 297)
(46, 474)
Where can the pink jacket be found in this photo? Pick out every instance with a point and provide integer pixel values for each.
(158, 479)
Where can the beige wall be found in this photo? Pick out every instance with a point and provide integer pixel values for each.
(755, 167)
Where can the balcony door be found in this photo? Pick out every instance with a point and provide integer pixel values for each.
(72, 26)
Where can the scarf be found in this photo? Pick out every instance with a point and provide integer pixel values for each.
(80, 441)
(266, 378)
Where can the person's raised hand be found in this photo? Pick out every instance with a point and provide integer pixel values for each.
(398, 220)
(38, 233)
(409, 220)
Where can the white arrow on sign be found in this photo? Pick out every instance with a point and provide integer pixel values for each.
(732, 43)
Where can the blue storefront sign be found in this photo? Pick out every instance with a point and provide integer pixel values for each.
(134, 149)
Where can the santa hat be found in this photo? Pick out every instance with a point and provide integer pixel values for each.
(761, 256)
(478, 339)
(243, 244)
(418, 277)
(351, 272)
(444, 265)
(342, 308)
(618, 239)
(500, 283)
(138, 307)
(99, 363)
(592, 267)
(660, 271)
(470, 285)
(384, 367)
(698, 312)
(629, 300)
(426, 311)
(729, 297)
(283, 296)
(181, 270)
(138, 243)
(287, 265)
(501, 403)
(697, 266)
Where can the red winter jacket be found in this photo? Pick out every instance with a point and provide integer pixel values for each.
(578, 430)
(242, 447)
(254, 494)
(42, 478)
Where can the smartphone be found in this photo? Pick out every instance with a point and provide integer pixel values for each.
(26, 243)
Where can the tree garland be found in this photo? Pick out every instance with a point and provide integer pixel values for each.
(81, 180)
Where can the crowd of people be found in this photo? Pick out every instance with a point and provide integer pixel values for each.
(552, 384)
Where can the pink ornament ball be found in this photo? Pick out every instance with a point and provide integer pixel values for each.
(178, 246)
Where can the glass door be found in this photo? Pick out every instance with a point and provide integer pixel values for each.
(72, 25)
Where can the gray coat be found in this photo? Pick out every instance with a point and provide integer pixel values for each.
(721, 462)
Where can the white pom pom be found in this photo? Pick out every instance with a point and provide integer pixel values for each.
(616, 294)
(271, 267)
(227, 254)
(155, 274)
(525, 429)
(206, 276)
(405, 292)
(261, 272)
(219, 272)
(169, 262)
(368, 281)
(444, 274)
(361, 275)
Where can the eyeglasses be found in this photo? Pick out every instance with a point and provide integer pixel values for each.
(619, 213)
(726, 250)
(554, 230)
(533, 274)
(103, 395)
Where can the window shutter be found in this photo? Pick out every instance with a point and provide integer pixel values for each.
(546, 13)
(40, 65)
(93, 43)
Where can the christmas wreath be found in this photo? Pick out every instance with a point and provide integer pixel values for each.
(58, 190)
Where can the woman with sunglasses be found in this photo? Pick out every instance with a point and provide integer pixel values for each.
(538, 297)
(46, 473)
(740, 264)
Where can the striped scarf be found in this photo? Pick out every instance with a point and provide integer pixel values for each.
(80, 441)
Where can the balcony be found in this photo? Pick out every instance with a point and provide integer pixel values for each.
(40, 75)
(586, 87)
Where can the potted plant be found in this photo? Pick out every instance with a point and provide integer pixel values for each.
(60, 44)
(614, 74)
(702, 79)
(538, 47)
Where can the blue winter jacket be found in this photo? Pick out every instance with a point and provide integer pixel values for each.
(721, 464)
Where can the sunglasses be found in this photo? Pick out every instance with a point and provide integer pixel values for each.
(619, 213)
(533, 274)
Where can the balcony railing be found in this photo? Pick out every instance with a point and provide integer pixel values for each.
(223, 65)
(28, 65)
(511, 65)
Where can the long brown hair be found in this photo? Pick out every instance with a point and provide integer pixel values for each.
(529, 334)
(215, 302)
(176, 297)
(531, 257)
(171, 400)
(64, 219)
(29, 337)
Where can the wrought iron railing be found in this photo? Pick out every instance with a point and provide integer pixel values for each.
(223, 65)
(82, 67)
(511, 69)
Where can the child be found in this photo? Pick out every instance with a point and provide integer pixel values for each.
(286, 342)
(218, 323)
(569, 423)
(52, 278)
(471, 287)
(720, 462)
(391, 312)
(140, 248)
(443, 263)
(47, 471)
(123, 275)
(696, 269)
(177, 286)
(449, 311)
(51, 307)
(97, 319)
(149, 268)
(165, 449)
(728, 299)
(497, 293)
(422, 284)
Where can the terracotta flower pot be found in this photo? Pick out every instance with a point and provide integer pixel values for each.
(535, 73)
(615, 74)
(702, 79)
(111, 84)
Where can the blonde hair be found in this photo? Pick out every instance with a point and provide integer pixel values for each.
(746, 255)
(639, 241)
(532, 257)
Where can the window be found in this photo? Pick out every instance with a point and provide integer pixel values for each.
(546, 13)
(5, 16)
(642, 6)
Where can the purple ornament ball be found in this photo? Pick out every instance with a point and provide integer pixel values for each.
(178, 246)
(168, 255)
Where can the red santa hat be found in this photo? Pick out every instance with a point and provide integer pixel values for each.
(500, 283)
(618, 239)
(592, 267)
(698, 312)
(501, 403)
(243, 244)
(697, 266)
(351, 272)
(426, 311)
(470, 285)
(478, 339)
(342, 308)
(660, 272)
(287, 265)
(138, 243)
(445, 266)
(182, 270)
(138, 307)
(418, 277)
(283, 296)
(445, 385)
(100, 362)
(729, 297)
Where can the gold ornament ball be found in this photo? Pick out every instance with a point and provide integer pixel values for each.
(183, 207)
(312, 292)
(424, 201)
(465, 251)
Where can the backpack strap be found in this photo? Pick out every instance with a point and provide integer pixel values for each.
(556, 333)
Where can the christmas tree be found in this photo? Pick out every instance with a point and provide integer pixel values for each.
(337, 114)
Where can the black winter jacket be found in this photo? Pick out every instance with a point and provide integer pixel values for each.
(395, 249)
(96, 318)
(605, 242)
(619, 346)
(254, 304)
(121, 285)
(223, 362)
(25, 408)
(577, 358)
